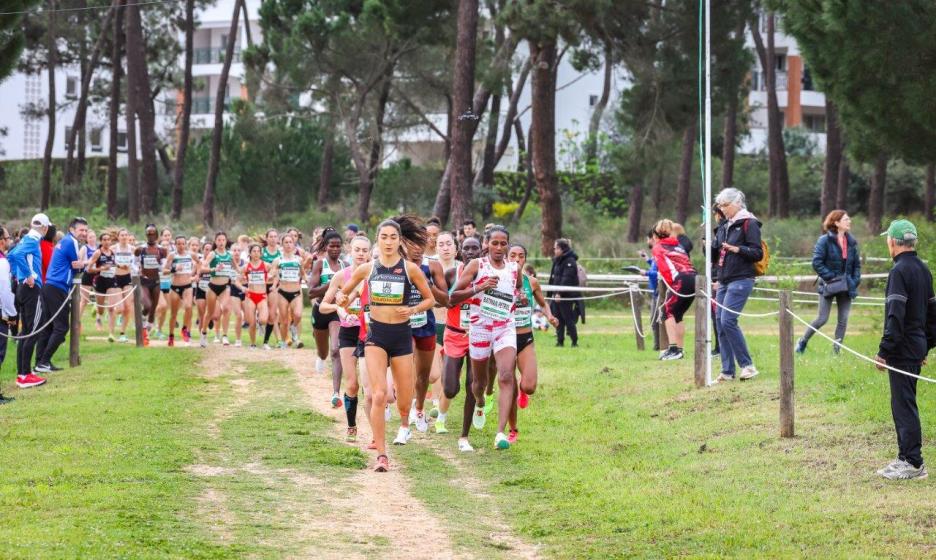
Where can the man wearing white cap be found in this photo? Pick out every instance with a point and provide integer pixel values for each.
(26, 264)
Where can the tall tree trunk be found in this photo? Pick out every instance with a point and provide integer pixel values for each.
(81, 111)
(685, 173)
(214, 160)
(133, 168)
(524, 164)
(832, 160)
(114, 110)
(515, 92)
(46, 194)
(844, 178)
(779, 190)
(486, 173)
(366, 186)
(463, 129)
(876, 197)
(140, 102)
(251, 75)
(634, 213)
(591, 146)
(930, 191)
(328, 156)
(728, 149)
(543, 140)
(178, 176)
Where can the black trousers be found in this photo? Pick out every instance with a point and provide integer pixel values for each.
(906, 415)
(53, 335)
(29, 307)
(565, 312)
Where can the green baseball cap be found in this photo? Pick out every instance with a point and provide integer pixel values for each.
(901, 229)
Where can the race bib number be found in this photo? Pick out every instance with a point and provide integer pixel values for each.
(150, 262)
(496, 305)
(420, 319)
(387, 293)
(464, 317)
(289, 274)
(183, 267)
(355, 306)
(109, 273)
(123, 259)
(203, 285)
(256, 277)
(524, 316)
(164, 282)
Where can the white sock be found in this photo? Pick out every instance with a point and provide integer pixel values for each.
(441, 417)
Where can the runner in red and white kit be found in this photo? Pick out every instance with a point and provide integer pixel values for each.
(494, 282)
(676, 270)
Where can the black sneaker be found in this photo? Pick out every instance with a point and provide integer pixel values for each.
(665, 353)
(801, 346)
(54, 367)
(4, 400)
(43, 368)
(673, 355)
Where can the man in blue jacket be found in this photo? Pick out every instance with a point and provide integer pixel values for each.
(64, 265)
(26, 264)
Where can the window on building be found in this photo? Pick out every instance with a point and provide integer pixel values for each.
(71, 87)
(814, 123)
(592, 100)
(122, 141)
(68, 131)
(781, 62)
(807, 79)
(96, 135)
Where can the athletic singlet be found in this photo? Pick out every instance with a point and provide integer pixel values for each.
(268, 257)
(497, 304)
(89, 250)
(290, 268)
(183, 265)
(107, 259)
(223, 265)
(151, 258)
(327, 272)
(423, 318)
(389, 285)
(123, 258)
(256, 276)
(352, 318)
(459, 316)
(524, 313)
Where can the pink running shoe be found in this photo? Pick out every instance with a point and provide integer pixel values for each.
(512, 436)
(523, 400)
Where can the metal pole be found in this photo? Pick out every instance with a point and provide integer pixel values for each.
(707, 211)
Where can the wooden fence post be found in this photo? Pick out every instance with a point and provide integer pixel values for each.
(636, 303)
(138, 310)
(74, 357)
(701, 321)
(786, 366)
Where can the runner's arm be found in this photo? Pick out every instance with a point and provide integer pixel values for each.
(316, 289)
(358, 276)
(327, 305)
(538, 296)
(422, 284)
(439, 284)
(462, 289)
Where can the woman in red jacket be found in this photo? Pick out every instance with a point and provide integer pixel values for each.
(677, 271)
(47, 245)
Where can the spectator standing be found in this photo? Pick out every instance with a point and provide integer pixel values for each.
(66, 262)
(836, 261)
(565, 273)
(738, 249)
(46, 246)
(7, 304)
(26, 264)
(909, 335)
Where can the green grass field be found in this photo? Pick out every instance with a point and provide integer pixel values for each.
(619, 456)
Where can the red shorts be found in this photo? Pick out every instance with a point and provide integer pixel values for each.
(256, 297)
(455, 344)
(425, 343)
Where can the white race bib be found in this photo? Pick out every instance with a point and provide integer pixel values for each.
(123, 259)
(183, 267)
(109, 273)
(256, 277)
(464, 317)
(150, 262)
(203, 285)
(419, 319)
(289, 274)
(496, 305)
(386, 293)
(524, 316)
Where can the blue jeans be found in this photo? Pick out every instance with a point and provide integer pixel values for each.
(730, 338)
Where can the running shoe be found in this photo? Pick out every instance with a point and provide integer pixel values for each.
(523, 400)
(674, 355)
(489, 404)
(293, 333)
(724, 377)
(282, 345)
(43, 368)
(160, 335)
(383, 464)
(110, 338)
(29, 380)
(352, 434)
(54, 367)
(203, 341)
(464, 445)
(422, 423)
(512, 436)
(171, 341)
(500, 441)
(145, 337)
(905, 471)
(299, 344)
(237, 344)
(479, 418)
(266, 346)
(664, 353)
(896, 463)
(403, 436)
(387, 413)
(372, 445)
(225, 341)
(336, 400)
(186, 335)
(253, 346)
(800, 346)
(748, 372)
(217, 340)
(836, 349)
(123, 338)
(440, 427)
(412, 414)
(319, 365)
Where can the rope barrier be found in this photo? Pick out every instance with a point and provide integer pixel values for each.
(856, 353)
(798, 293)
(634, 312)
(47, 323)
(702, 293)
(111, 305)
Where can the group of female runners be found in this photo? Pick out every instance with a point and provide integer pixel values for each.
(414, 305)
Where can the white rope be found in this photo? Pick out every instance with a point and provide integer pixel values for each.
(798, 293)
(858, 354)
(49, 322)
(118, 302)
(702, 293)
(634, 312)
(612, 294)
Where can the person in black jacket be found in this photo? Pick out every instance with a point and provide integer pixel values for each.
(738, 247)
(909, 335)
(835, 258)
(565, 273)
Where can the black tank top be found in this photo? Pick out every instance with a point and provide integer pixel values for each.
(106, 259)
(389, 285)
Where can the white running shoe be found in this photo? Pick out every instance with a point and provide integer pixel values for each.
(412, 414)
(225, 341)
(478, 419)
(403, 436)
(500, 441)
(237, 344)
(217, 340)
(464, 445)
(282, 345)
(123, 338)
(266, 347)
(319, 365)
(748, 372)
(422, 423)
(387, 414)
(203, 341)
(293, 333)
